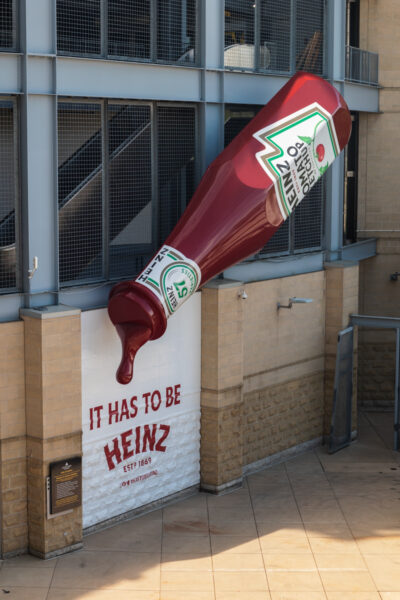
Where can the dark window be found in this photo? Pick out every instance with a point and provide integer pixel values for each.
(113, 214)
(303, 230)
(7, 25)
(267, 35)
(309, 36)
(8, 178)
(130, 186)
(176, 30)
(80, 191)
(149, 30)
(176, 166)
(275, 35)
(129, 28)
(78, 26)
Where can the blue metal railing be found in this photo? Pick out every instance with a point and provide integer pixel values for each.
(361, 66)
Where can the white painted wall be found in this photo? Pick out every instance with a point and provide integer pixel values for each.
(173, 360)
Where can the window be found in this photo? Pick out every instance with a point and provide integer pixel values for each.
(8, 25)
(303, 230)
(267, 35)
(148, 30)
(8, 196)
(126, 172)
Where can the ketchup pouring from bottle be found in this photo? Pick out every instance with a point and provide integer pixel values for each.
(246, 193)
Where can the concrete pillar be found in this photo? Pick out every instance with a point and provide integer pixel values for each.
(221, 449)
(342, 285)
(53, 420)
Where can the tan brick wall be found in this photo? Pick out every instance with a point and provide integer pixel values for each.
(222, 380)
(376, 369)
(13, 497)
(262, 372)
(378, 204)
(282, 416)
(54, 421)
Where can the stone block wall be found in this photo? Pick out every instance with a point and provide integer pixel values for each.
(13, 495)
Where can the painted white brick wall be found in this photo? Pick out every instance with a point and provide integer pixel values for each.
(173, 360)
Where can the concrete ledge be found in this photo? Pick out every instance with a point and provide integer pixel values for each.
(49, 312)
(224, 488)
(55, 553)
(280, 457)
(142, 510)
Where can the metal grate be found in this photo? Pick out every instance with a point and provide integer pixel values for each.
(80, 191)
(130, 187)
(237, 116)
(340, 433)
(239, 34)
(308, 218)
(274, 54)
(279, 243)
(79, 26)
(310, 35)
(176, 31)
(113, 212)
(176, 164)
(7, 25)
(129, 28)
(7, 196)
(361, 66)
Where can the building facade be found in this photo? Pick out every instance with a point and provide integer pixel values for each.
(110, 111)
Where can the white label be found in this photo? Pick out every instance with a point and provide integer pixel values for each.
(172, 277)
(298, 151)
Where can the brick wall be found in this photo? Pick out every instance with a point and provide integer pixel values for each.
(13, 497)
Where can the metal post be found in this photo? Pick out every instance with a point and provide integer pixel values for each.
(397, 393)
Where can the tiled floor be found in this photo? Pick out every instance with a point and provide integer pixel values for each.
(316, 527)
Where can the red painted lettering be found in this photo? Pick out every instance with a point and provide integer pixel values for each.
(149, 437)
(112, 412)
(177, 394)
(146, 399)
(124, 410)
(155, 404)
(126, 443)
(159, 446)
(169, 392)
(133, 407)
(113, 453)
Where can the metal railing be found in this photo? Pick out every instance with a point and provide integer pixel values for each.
(361, 66)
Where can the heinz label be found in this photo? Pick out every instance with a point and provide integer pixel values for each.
(298, 151)
(172, 277)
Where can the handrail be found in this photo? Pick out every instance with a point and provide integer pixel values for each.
(362, 66)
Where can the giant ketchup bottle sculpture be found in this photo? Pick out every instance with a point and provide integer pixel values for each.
(244, 196)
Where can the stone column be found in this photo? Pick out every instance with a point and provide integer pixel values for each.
(222, 383)
(13, 503)
(342, 285)
(53, 420)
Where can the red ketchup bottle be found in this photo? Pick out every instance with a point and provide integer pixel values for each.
(244, 196)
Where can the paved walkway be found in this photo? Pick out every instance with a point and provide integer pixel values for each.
(316, 527)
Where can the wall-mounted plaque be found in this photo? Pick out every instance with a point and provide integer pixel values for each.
(66, 484)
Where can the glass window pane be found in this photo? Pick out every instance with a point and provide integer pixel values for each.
(78, 26)
(239, 34)
(310, 35)
(7, 196)
(130, 194)
(176, 164)
(7, 31)
(80, 191)
(176, 30)
(274, 35)
(129, 28)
